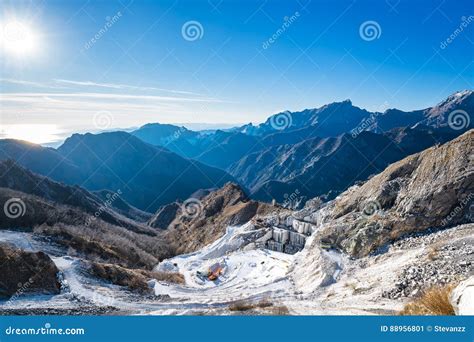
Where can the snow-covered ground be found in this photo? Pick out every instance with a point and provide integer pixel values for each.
(313, 281)
(253, 273)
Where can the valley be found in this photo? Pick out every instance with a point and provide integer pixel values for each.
(343, 222)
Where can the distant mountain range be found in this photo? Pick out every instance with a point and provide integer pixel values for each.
(314, 152)
(317, 151)
(327, 166)
(147, 176)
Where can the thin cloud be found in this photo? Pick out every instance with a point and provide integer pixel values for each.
(121, 86)
(29, 83)
(98, 96)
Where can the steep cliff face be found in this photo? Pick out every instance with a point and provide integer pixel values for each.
(201, 222)
(431, 189)
(26, 272)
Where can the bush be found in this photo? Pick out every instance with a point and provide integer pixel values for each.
(135, 280)
(434, 301)
(264, 305)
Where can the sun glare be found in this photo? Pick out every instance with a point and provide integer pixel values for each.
(18, 39)
(35, 133)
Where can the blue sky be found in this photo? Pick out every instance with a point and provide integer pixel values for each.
(142, 69)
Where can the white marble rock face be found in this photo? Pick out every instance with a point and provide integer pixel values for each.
(462, 297)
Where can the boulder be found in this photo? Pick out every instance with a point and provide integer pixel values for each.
(462, 297)
(164, 216)
(24, 272)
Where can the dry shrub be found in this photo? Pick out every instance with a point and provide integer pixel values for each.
(266, 305)
(241, 305)
(280, 310)
(168, 277)
(110, 244)
(135, 280)
(433, 252)
(434, 301)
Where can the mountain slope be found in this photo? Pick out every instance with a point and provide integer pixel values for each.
(431, 189)
(15, 177)
(161, 134)
(329, 120)
(318, 166)
(147, 176)
(217, 149)
(193, 225)
(39, 159)
(224, 148)
(436, 116)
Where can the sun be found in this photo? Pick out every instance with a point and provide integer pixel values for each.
(35, 133)
(18, 39)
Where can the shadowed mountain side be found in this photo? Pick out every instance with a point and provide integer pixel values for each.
(17, 178)
(319, 166)
(147, 176)
(431, 189)
(43, 160)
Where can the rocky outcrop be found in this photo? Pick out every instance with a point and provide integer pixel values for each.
(430, 189)
(201, 222)
(448, 259)
(26, 272)
(462, 297)
(165, 215)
